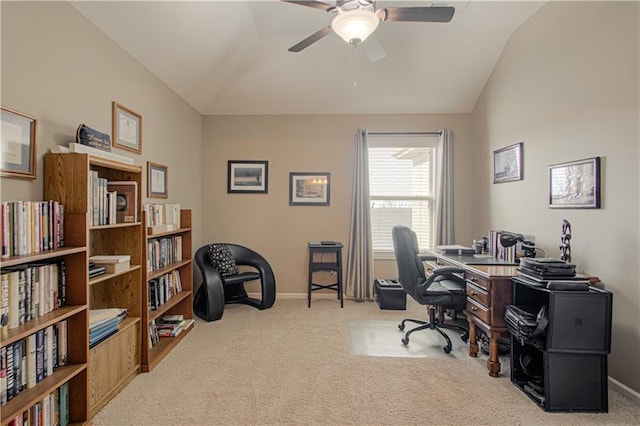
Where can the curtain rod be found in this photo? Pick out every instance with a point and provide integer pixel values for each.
(403, 133)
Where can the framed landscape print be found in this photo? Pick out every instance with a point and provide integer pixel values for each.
(507, 164)
(247, 176)
(18, 148)
(309, 189)
(575, 184)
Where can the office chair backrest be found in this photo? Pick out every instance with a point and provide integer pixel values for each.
(410, 268)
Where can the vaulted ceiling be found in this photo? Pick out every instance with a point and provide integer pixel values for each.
(230, 57)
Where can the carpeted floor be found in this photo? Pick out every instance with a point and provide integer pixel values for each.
(294, 365)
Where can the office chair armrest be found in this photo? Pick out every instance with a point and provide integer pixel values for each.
(446, 270)
(427, 257)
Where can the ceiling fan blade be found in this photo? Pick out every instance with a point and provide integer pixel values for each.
(313, 4)
(373, 48)
(311, 39)
(416, 14)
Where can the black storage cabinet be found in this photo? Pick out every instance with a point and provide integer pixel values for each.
(565, 370)
(390, 294)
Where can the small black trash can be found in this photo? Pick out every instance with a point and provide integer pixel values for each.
(390, 294)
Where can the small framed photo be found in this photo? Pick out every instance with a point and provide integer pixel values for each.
(507, 164)
(157, 177)
(248, 176)
(575, 184)
(309, 189)
(126, 129)
(18, 138)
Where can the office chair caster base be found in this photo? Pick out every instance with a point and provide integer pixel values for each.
(464, 337)
(401, 327)
(405, 341)
(446, 349)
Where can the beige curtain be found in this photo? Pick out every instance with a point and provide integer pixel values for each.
(444, 230)
(359, 282)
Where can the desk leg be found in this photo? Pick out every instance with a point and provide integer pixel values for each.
(493, 363)
(473, 337)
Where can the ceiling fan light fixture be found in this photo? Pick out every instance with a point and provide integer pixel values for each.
(354, 26)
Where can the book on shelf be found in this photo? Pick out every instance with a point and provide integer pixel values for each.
(162, 217)
(29, 227)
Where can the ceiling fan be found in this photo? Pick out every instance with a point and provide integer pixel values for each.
(355, 20)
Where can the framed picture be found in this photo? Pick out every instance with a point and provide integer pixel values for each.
(126, 129)
(126, 200)
(18, 144)
(507, 163)
(575, 184)
(248, 176)
(156, 180)
(309, 189)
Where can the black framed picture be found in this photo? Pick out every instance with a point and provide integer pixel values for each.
(575, 184)
(247, 176)
(309, 189)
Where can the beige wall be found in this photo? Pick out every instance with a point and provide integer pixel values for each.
(60, 68)
(302, 143)
(567, 86)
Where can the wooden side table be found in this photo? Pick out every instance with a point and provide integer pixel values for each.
(328, 258)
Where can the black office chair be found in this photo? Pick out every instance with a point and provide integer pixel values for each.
(218, 289)
(442, 289)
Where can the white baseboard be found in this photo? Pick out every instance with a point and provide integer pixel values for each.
(625, 390)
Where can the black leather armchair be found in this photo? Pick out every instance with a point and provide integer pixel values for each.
(442, 289)
(217, 290)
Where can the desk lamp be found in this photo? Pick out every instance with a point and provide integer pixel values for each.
(508, 239)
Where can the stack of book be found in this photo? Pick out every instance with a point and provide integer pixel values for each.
(112, 264)
(104, 323)
(170, 326)
(96, 270)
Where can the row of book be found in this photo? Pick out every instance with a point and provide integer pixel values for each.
(29, 291)
(53, 409)
(497, 250)
(162, 217)
(25, 363)
(163, 252)
(31, 227)
(104, 323)
(111, 202)
(167, 326)
(163, 288)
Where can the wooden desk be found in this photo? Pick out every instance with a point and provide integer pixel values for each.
(489, 289)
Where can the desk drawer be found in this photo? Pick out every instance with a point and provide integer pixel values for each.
(479, 310)
(477, 280)
(478, 294)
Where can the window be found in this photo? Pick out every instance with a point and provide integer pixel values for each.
(401, 186)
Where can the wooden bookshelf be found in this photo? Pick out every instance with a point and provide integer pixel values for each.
(180, 303)
(75, 257)
(114, 362)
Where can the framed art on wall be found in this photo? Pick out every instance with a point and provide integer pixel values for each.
(157, 177)
(309, 189)
(126, 128)
(247, 176)
(507, 163)
(18, 144)
(575, 184)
